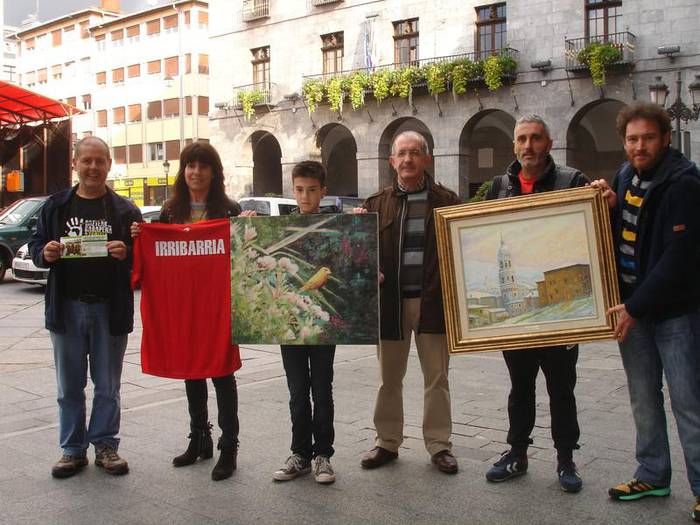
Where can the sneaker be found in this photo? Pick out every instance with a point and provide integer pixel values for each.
(293, 467)
(323, 471)
(569, 478)
(107, 458)
(636, 489)
(509, 466)
(68, 466)
(696, 510)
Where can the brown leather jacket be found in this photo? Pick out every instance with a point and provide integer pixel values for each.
(390, 204)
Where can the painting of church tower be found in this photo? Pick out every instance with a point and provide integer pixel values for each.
(510, 291)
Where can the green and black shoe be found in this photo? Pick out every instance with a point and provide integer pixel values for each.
(636, 489)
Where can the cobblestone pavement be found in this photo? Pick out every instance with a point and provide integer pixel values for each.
(155, 427)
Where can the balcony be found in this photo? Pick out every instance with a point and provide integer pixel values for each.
(251, 96)
(255, 10)
(317, 3)
(624, 42)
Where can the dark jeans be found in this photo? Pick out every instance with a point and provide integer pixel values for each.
(559, 367)
(310, 368)
(226, 401)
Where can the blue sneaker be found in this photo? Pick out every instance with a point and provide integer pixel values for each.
(509, 466)
(569, 478)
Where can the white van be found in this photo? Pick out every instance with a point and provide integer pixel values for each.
(268, 205)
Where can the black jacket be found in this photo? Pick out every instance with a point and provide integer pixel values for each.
(553, 178)
(50, 227)
(232, 209)
(667, 252)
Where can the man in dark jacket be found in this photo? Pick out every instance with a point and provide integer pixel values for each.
(89, 307)
(411, 302)
(534, 171)
(655, 206)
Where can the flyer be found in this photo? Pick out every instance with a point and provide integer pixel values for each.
(84, 246)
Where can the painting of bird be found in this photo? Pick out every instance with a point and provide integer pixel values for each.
(318, 280)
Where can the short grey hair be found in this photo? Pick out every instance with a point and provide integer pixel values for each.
(414, 135)
(90, 140)
(533, 119)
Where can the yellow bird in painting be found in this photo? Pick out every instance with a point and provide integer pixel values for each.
(318, 280)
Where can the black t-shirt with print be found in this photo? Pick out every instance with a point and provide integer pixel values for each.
(91, 276)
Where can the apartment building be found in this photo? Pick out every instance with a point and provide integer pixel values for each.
(264, 51)
(141, 78)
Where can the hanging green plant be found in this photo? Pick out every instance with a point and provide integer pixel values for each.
(462, 72)
(495, 69)
(597, 57)
(248, 101)
(357, 83)
(313, 91)
(402, 81)
(335, 93)
(436, 77)
(379, 81)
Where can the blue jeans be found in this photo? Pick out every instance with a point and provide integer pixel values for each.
(652, 349)
(87, 339)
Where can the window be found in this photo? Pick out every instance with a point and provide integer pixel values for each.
(203, 105)
(188, 63)
(406, 41)
(134, 70)
(71, 101)
(69, 68)
(172, 149)
(153, 67)
(261, 66)
(133, 33)
(87, 134)
(56, 72)
(171, 67)
(203, 65)
(155, 151)
(41, 76)
(29, 44)
(135, 153)
(187, 16)
(119, 154)
(118, 37)
(85, 66)
(171, 107)
(84, 31)
(603, 17)
(188, 105)
(155, 110)
(56, 37)
(87, 101)
(135, 113)
(118, 115)
(102, 118)
(30, 78)
(101, 43)
(170, 23)
(332, 49)
(153, 27)
(118, 75)
(490, 29)
(203, 19)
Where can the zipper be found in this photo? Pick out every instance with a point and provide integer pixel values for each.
(398, 265)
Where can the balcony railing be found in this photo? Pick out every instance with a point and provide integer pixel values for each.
(265, 93)
(317, 3)
(255, 9)
(624, 41)
(473, 57)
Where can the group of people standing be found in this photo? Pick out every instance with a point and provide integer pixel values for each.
(653, 200)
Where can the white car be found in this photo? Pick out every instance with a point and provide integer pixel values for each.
(150, 213)
(268, 205)
(23, 268)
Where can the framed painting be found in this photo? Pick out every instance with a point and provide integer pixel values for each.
(527, 272)
(305, 279)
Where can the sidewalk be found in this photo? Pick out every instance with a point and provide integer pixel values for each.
(411, 490)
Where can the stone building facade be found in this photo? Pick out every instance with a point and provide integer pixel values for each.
(277, 44)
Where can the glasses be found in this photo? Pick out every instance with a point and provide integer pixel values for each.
(410, 153)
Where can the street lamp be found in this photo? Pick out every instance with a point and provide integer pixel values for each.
(166, 170)
(658, 92)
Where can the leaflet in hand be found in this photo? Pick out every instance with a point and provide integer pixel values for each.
(84, 246)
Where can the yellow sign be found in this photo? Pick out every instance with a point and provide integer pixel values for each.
(15, 181)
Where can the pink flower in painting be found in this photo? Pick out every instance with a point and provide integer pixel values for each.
(346, 247)
(267, 262)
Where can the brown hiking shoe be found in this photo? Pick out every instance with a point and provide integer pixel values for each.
(68, 466)
(107, 458)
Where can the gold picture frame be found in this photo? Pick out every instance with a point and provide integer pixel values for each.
(527, 272)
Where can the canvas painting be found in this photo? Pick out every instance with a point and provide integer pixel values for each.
(304, 279)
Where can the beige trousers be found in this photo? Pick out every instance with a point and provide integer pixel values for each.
(434, 361)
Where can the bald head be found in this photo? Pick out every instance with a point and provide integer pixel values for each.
(91, 141)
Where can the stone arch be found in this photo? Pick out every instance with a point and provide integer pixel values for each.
(263, 151)
(339, 156)
(485, 149)
(386, 173)
(592, 143)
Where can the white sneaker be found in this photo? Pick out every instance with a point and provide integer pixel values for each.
(293, 467)
(323, 471)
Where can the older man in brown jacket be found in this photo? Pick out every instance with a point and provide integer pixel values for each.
(411, 302)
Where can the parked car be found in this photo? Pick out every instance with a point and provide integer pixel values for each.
(346, 204)
(24, 269)
(17, 223)
(150, 213)
(268, 205)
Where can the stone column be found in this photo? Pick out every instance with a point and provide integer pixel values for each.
(367, 176)
(447, 163)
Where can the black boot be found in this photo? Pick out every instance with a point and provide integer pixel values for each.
(201, 446)
(227, 462)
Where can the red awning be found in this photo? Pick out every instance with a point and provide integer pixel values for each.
(21, 106)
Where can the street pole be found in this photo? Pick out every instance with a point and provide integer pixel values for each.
(678, 113)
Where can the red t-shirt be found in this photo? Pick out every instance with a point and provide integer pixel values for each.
(526, 185)
(185, 276)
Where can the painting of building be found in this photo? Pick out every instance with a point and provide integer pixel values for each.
(565, 284)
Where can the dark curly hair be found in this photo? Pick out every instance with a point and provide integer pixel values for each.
(645, 110)
(178, 207)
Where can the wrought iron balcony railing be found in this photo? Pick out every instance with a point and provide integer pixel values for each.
(260, 94)
(624, 42)
(255, 9)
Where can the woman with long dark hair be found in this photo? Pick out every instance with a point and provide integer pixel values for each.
(198, 194)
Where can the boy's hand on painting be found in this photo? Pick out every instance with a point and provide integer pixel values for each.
(248, 213)
(359, 210)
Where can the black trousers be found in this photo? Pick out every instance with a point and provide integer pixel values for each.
(559, 367)
(226, 401)
(309, 369)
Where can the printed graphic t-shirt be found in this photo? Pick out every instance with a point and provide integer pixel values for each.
(185, 276)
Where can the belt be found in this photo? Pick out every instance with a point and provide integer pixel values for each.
(91, 299)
